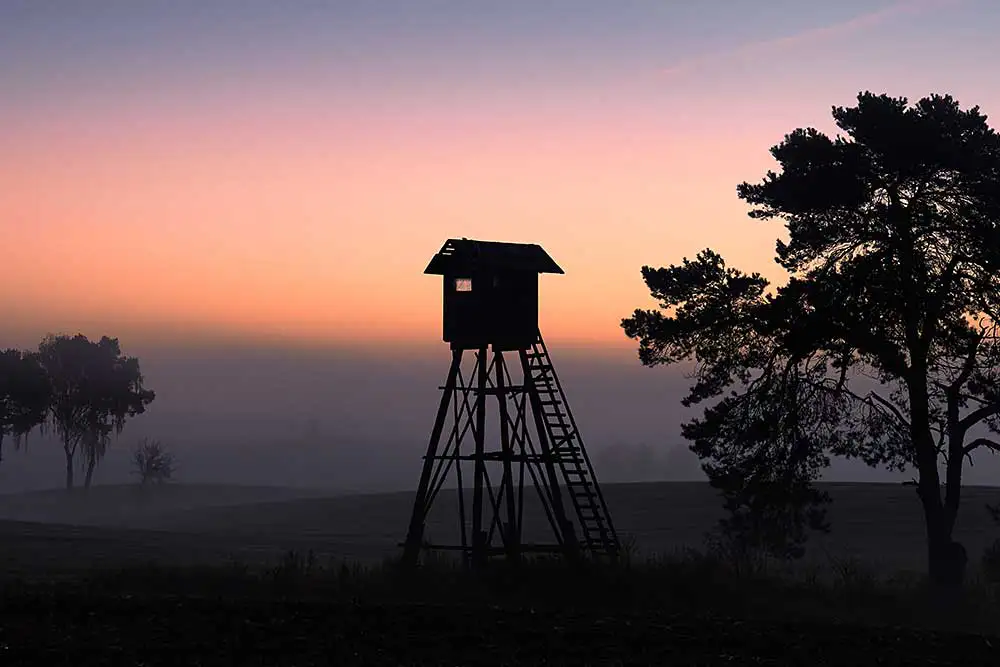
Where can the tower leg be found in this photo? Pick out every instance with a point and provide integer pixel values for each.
(479, 545)
(512, 531)
(415, 534)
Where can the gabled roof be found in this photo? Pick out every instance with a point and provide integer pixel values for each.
(458, 255)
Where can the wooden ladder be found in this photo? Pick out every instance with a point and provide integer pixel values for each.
(566, 446)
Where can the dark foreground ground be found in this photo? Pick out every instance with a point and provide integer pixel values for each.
(693, 612)
(68, 630)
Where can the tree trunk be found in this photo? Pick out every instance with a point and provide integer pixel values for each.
(946, 559)
(90, 473)
(69, 466)
(69, 471)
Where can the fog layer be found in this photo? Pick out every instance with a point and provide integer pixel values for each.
(358, 419)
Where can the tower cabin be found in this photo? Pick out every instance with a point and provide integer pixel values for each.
(490, 292)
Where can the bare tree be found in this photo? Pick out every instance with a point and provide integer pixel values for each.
(152, 462)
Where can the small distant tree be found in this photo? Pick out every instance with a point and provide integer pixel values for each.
(24, 395)
(152, 462)
(95, 389)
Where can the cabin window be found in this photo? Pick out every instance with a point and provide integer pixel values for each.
(463, 284)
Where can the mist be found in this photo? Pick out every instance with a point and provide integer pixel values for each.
(357, 419)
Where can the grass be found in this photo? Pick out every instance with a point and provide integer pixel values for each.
(691, 607)
(691, 581)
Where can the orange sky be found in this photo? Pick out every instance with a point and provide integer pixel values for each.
(257, 203)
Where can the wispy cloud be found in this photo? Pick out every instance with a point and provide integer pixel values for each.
(812, 35)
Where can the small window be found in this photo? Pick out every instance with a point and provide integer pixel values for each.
(463, 284)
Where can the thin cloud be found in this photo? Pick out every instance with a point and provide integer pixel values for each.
(813, 35)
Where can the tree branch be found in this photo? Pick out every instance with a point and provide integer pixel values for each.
(899, 415)
(991, 445)
(933, 311)
(970, 397)
(978, 415)
(967, 368)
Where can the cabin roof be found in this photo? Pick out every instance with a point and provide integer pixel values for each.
(458, 255)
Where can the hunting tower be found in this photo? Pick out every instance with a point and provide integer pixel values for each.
(491, 307)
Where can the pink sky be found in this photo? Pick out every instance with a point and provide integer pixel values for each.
(302, 202)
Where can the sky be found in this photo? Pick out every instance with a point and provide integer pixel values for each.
(219, 183)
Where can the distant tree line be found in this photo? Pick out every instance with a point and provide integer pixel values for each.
(83, 391)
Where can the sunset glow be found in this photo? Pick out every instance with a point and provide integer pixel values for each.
(245, 173)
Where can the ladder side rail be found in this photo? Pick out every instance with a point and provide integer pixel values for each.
(548, 462)
(583, 450)
(595, 532)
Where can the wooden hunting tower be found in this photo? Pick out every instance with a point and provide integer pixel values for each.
(491, 304)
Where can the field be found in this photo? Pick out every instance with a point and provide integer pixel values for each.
(880, 524)
(77, 590)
